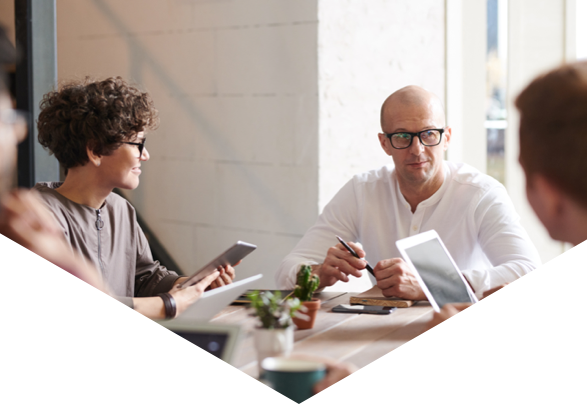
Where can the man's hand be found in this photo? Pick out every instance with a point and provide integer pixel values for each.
(451, 309)
(394, 278)
(339, 264)
(335, 372)
(447, 311)
(492, 291)
(25, 220)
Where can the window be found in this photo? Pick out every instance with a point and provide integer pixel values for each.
(496, 108)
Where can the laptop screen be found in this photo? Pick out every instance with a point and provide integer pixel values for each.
(213, 342)
(438, 273)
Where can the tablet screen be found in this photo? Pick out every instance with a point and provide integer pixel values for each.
(438, 273)
(215, 343)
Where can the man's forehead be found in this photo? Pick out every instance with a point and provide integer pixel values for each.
(412, 118)
(412, 103)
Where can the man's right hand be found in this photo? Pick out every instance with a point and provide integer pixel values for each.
(339, 264)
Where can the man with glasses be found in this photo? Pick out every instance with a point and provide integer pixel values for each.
(471, 211)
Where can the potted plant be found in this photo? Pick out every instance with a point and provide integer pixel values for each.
(274, 335)
(306, 285)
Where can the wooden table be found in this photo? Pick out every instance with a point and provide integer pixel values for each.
(356, 338)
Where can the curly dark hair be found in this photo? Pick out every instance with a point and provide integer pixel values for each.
(93, 114)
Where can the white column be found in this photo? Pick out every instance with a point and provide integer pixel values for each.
(536, 43)
(466, 46)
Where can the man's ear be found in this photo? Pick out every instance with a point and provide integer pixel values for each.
(447, 136)
(547, 200)
(95, 159)
(385, 143)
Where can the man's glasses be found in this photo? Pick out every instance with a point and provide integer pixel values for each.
(140, 145)
(403, 140)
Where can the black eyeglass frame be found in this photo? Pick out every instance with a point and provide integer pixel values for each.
(414, 134)
(141, 146)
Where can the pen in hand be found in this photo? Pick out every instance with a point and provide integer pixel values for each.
(348, 247)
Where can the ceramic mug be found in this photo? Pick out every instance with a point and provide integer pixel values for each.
(294, 378)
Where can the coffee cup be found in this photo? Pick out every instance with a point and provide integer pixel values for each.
(294, 378)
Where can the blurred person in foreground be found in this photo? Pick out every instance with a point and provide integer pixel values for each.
(96, 130)
(23, 218)
(553, 154)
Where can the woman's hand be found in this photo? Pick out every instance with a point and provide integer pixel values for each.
(226, 276)
(187, 296)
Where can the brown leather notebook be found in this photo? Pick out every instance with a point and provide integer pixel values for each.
(374, 297)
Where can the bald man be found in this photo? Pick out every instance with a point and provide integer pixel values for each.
(471, 212)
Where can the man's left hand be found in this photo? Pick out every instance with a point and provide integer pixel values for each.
(394, 278)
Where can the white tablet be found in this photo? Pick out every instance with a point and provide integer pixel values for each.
(438, 274)
(213, 301)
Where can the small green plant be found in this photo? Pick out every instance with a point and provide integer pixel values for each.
(273, 312)
(306, 284)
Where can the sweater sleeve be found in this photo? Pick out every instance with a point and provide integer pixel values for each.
(151, 278)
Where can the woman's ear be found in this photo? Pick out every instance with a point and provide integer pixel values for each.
(95, 159)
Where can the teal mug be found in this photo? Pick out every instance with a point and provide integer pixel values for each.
(294, 378)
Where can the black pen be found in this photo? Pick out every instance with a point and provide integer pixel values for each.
(348, 247)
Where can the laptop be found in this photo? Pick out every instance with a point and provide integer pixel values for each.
(219, 340)
(441, 280)
(213, 301)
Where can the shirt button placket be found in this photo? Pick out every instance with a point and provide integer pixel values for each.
(416, 221)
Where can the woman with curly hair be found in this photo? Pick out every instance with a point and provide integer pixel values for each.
(96, 129)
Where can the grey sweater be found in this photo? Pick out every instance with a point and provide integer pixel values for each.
(112, 239)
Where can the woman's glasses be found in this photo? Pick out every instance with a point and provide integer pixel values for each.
(140, 145)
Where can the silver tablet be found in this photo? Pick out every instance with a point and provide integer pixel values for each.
(229, 257)
(219, 340)
(438, 274)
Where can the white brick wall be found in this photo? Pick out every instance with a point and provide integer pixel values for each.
(235, 156)
(367, 50)
(240, 90)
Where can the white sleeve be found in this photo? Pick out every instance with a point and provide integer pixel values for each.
(503, 240)
(339, 218)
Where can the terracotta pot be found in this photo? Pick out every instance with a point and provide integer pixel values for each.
(313, 306)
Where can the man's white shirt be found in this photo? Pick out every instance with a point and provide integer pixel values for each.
(471, 212)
